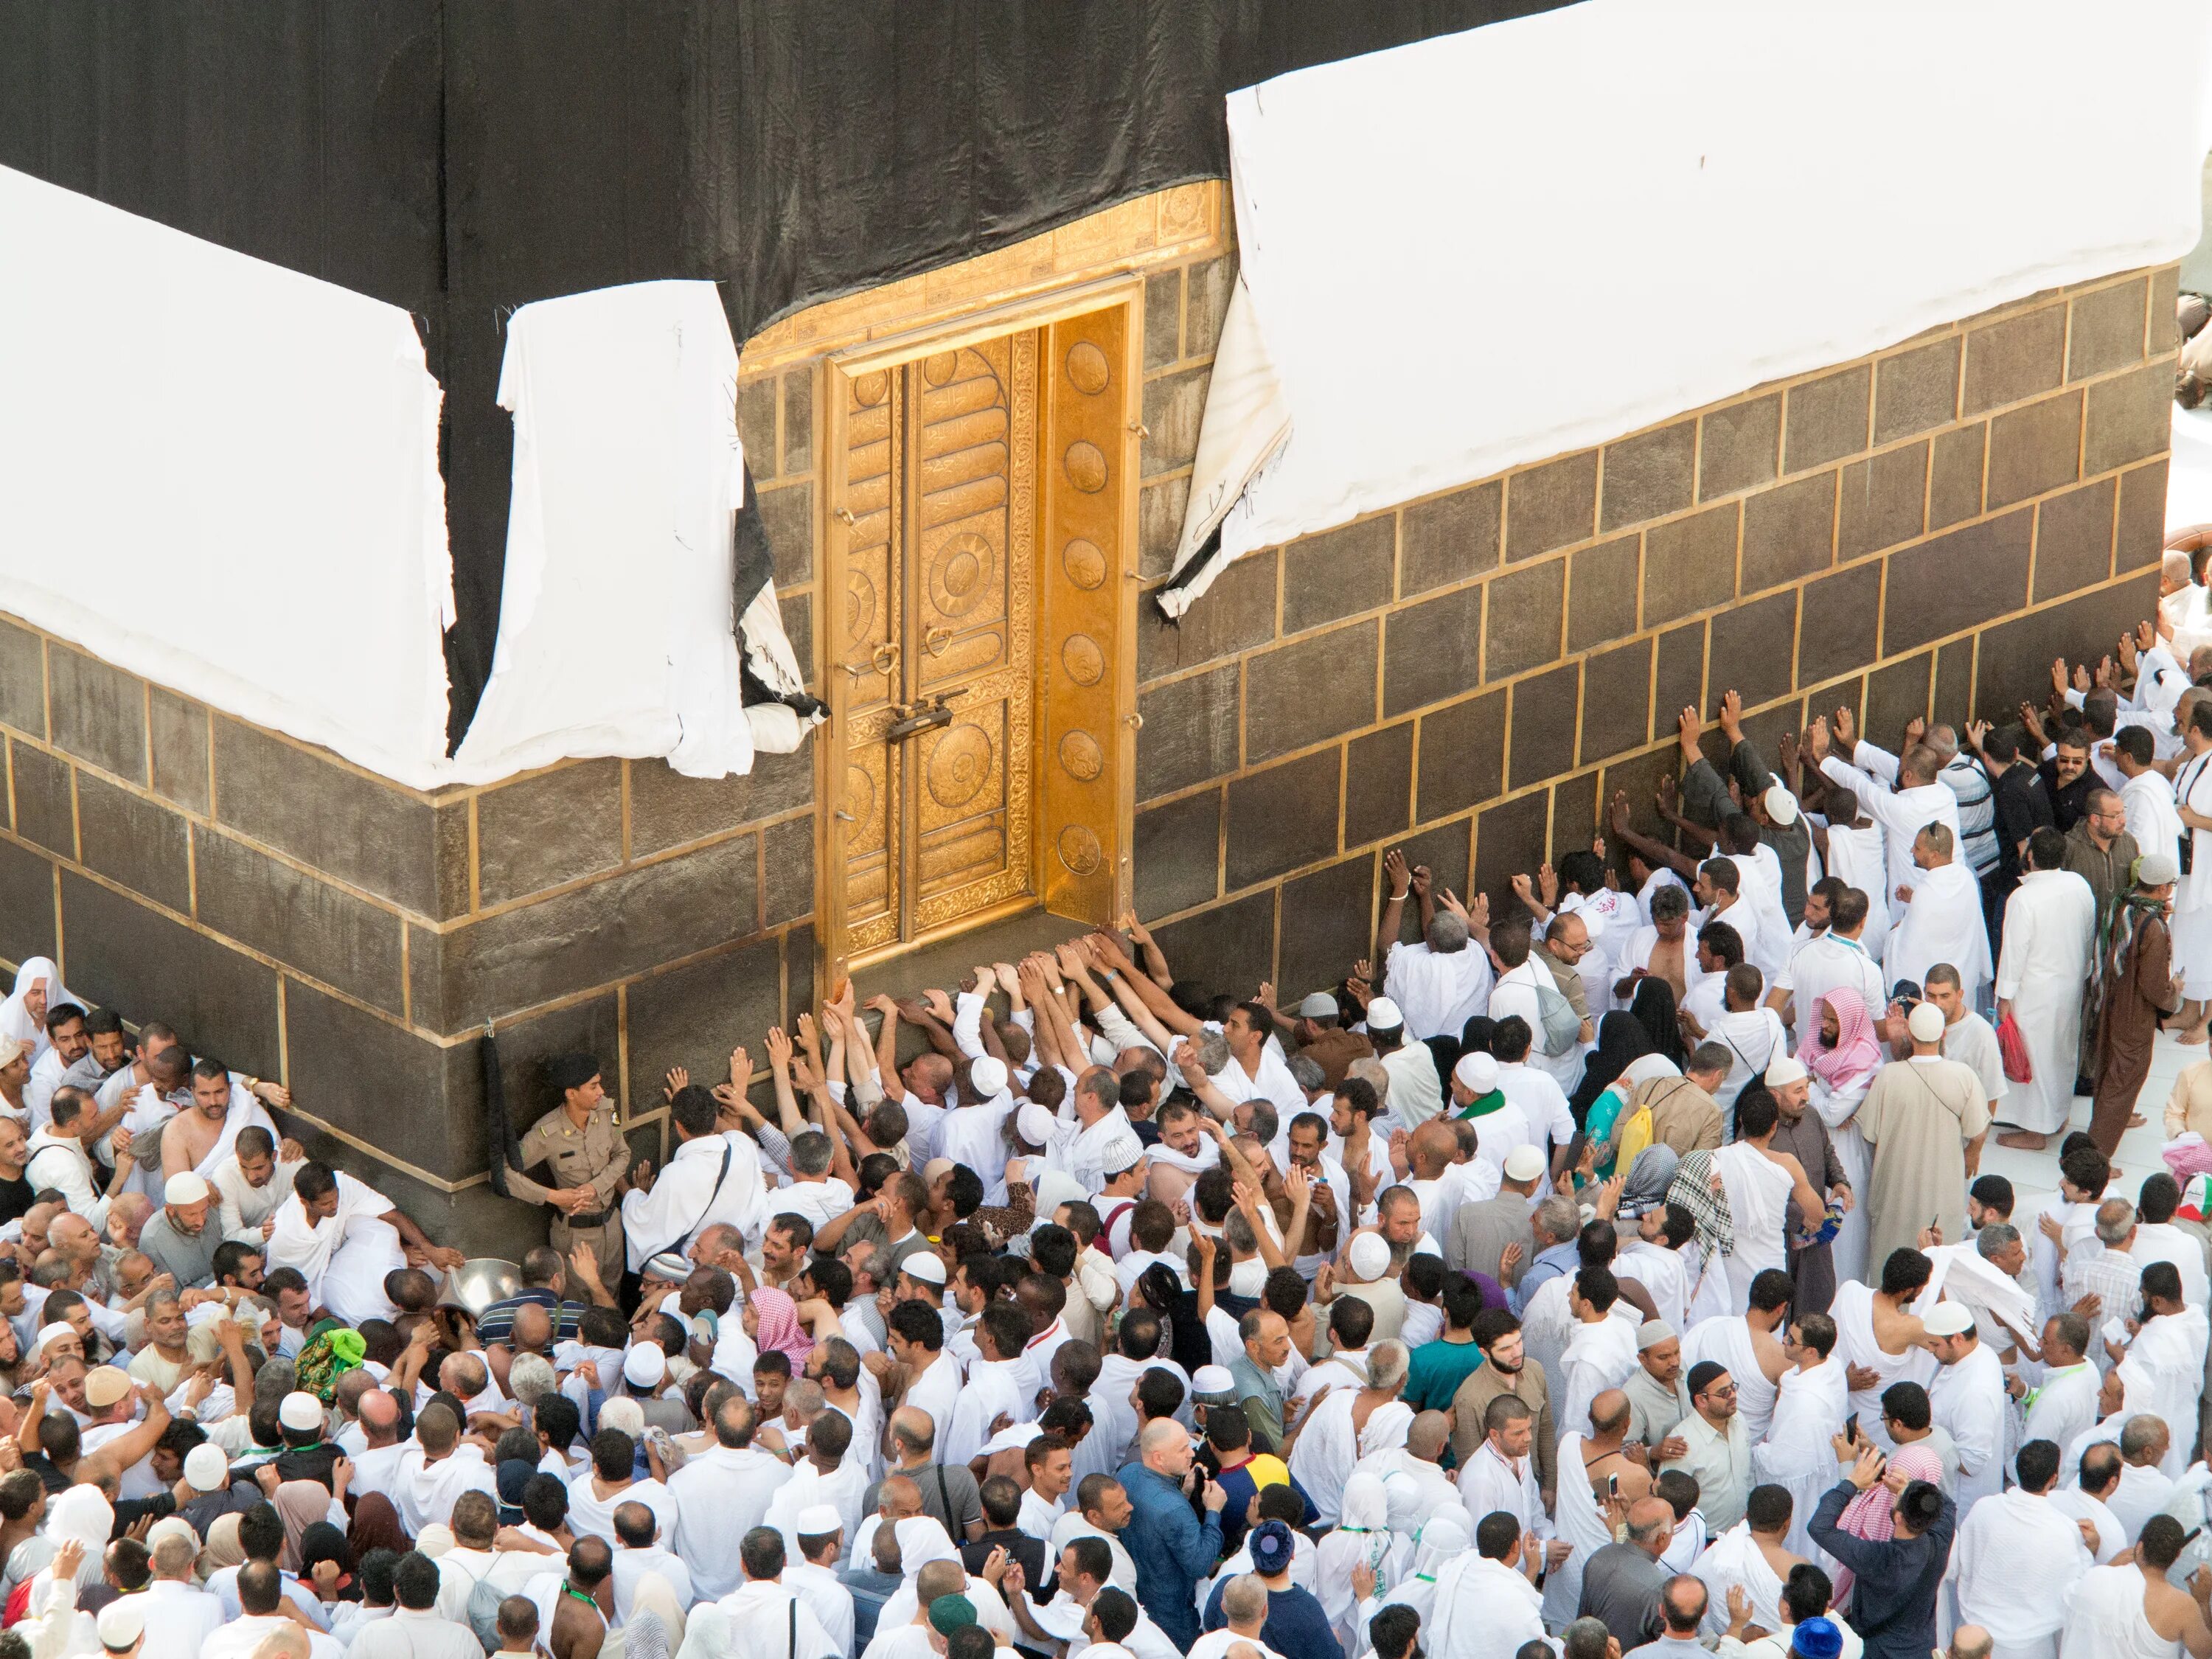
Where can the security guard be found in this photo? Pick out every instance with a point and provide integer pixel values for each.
(580, 1142)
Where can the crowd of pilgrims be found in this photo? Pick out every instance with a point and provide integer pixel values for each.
(1611, 1273)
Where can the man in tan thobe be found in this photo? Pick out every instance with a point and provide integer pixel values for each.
(1925, 1119)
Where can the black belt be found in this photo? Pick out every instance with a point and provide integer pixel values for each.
(596, 1218)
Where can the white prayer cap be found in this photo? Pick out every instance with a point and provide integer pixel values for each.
(1370, 1257)
(173, 1526)
(301, 1413)
(819, 1521)
(644, 1365)
(1319, 1004)
(2152, 870)
(1652, 1332)
(183, 1188)
(1947, 1319)
(934, 1168)
(206, 1469)
(986, 1076)
(1784, 1072)
(11, 1050)
(53, 1334)
(1034, 1124)
(1383, 1015)
(1781, 806)
(1525, 1164)
(924, 1268)
(1476, 1073)
(1925, 1023)
(122, 1622)
(1213, 1385)
(104, 1385)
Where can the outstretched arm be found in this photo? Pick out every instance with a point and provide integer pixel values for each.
(1657, 855)
(1394, 906)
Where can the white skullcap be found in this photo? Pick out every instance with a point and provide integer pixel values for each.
(1370, 1256)
(12, 1050)
(819, 1521)
(1382, 1014)
(1476, 1073)
(206, 1468)
(1947, 1319)
(122, 1622)
(986, 1076)
(1925, 1023)
(1212, 1383)
(172, 1526)
(435, 1540)
(183, 1188)
(104, 1386)
(53, 1334)
(1652, 1332)
(1525, 1164)
(1781, 806)
(1784, 1072)
(934, 1168)
(301, 1413)
(644, 1365)
(925, 1267)
(1034, 1124)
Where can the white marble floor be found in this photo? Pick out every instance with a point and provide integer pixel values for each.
(2035, 1175)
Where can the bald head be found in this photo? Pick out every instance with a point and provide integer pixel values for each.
(1164, 1446)
(1609, 1412)
(1432, 1149)
(1427, 1437)
(1971, 1642)
(1652, 1525)
(913, 1433)
(379, 1417)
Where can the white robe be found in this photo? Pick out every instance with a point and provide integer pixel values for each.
(1759, 1200)
(1488, 1484)
(1599, 1357)
(1808, 1410)
(2170, 1348)
(1661, 1272)
(2017, 1560)
(1856, 860)
(1735, 1559)
(344, 1256)
(2050, 929)
(1943, 923)
(1727, 1342)
(1327, 1451)
(1484, 1610)
(2107, 1619)
(2064, 1409)
(1901, 813)
(1838, 1108)
(1582, 1523)
(1853, 1312)
(1968, 1401)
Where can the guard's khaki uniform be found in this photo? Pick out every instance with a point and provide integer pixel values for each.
(595, 1156)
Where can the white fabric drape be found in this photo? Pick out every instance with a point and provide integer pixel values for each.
(1445, 244)
(223, 475)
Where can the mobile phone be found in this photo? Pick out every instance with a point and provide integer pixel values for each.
(1851, 1428)
(1613, 1486)
(2191, 1536)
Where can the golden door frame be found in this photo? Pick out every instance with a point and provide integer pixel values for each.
(1083, 739)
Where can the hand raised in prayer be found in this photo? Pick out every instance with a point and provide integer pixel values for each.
(1509, 1259)
(2059, 676)
(1617, 812)
(1665, 797)
(1687, 726)
(1847, 724)
(2105, 674)
(1523, 888)
(938, 1004)
(675, 1083)
(289, 1151)
(1547, 884)
(1362, 1581)
(1732, 715)
(1423, 877)
(2128, 654)
(2082, 680)
(1816, 740)
(1739, 1607)
(779, 1051)
(68, 1558)
(1266, 996)
(1393, 867)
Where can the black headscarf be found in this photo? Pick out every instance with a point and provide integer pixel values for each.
(1621, 1041)
(1654, 1009)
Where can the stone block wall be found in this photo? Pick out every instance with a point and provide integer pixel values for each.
(303, 919)
(1470, 676)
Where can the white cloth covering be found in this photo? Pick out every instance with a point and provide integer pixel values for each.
(187, 418)
(1943, 923)
(1383, 187)
(626, 456)
(1736, 1561)
(1582, 1523)
(1759, 1200)
(1809, 1407)
(2017, 1560)
(1483, 1609)
(2107, 1619)
(343, 1256)
(2050, 927)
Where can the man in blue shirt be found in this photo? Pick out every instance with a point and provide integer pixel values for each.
(1296, 1623)
(1172, 1551)
(1557, 1225)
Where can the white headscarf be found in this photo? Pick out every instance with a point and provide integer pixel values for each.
(15, 1019)
(1362, 1538)
(921, 1540)
(1445, 1535)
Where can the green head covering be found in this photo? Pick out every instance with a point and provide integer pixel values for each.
(949, 1613)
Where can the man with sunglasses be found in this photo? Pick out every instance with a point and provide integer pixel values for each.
(1718, 1454)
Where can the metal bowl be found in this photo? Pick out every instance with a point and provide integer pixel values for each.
(479, 1282)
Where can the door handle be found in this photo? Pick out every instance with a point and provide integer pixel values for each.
(844, 515)
(936, 638)
(885, 659)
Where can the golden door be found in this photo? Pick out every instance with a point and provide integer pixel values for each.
(940, 614)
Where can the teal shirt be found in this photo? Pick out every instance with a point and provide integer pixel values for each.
(1435, 1370)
